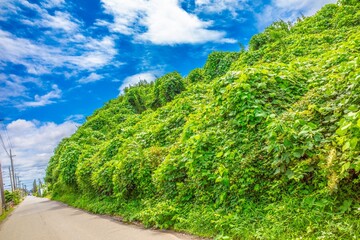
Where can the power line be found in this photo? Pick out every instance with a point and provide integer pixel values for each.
(5, 138)
(8, 137)
(3, 145)
(15, 183)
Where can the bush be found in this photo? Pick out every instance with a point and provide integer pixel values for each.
(13, 197)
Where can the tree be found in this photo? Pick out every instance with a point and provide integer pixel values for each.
(35, 188)
(166, 88)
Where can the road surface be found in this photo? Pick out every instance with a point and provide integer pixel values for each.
(42, 219)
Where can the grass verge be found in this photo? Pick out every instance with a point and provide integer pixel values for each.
(290, 218)
(6, 214)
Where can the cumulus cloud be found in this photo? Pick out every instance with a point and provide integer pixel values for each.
(33, 144)
(134, 79)
(288, 10)
(160, 22)
(43, 100)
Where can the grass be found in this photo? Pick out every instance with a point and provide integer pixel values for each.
(6, 214)
(290, 218)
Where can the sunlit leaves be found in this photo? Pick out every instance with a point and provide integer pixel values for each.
(264, 137)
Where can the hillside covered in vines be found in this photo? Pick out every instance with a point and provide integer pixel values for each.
(258, 144)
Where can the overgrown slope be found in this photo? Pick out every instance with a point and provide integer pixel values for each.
(260, 144)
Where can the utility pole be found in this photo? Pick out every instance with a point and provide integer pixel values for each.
(18, 182)
(11, 180)
(15, 181)
(2, 193)
(12, 168)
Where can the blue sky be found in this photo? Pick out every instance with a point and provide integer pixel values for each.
(61, 60)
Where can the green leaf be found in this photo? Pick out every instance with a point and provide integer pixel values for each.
(345, 207)
(343, 128)
(353, 143)
(287, 143)
(289, 174)
(346, 146)
(353, 108)
(226, 181)
(219, 154)
(298, 153)
(345, 167)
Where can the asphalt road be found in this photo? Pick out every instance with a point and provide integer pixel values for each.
(38, 218)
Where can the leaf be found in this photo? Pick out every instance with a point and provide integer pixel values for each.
(287, 143)
(341, 132)
(219, 154)
(353, 108)
(226, 181)
(312, 125)
(345, 167)
(345, 207)
(218, 179)
(346, 146)
(298, 153)
(223, 197)
(277, 171)
(353, 143)
(346, 126)
(289, 174)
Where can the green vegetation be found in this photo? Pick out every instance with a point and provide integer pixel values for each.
(5, 214)
(260, 144)
(11, 199)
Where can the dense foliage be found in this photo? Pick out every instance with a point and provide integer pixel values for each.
(260, 144)
(12, 197)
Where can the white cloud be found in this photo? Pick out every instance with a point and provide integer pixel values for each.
(53, 3)
(217, 6)
(161, 22)
(44, 100)
(12, 86)
(8, 7)
(78, 54)
(61, 20)
(86, 53)
(76, 118)
(93, 77)
(126, 14)
(96, 53)
(288, 10)
(24, 52)
(59, 46)
(33, 144)
(169, 24)
(309, 6)
(70, 48)
(134, 79)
